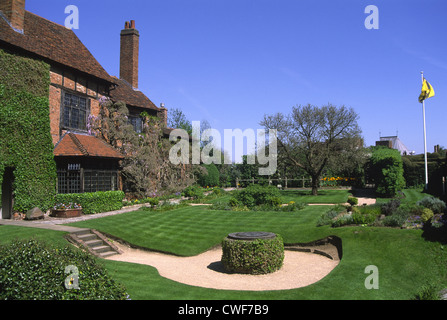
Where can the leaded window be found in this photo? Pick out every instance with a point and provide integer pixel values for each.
(75, 111)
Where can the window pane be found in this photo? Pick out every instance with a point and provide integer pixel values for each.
(74, 118)
(82, 120)
(67, 116)
(82, 103)
(75, 111)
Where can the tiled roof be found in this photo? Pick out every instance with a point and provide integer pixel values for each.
(54, 42)
(75, 144)
(133, 97)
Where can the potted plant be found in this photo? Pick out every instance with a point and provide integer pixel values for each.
(66, 210)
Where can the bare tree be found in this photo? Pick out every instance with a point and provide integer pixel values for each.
(313, 138)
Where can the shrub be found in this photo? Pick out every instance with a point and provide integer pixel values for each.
(434, 204)
(234, 202)
(153, 201)
(343, 220)
(210, 177)
(34, 270)
(194, 192)
(220, 205)
(359, 218)
(390, 207)
(426, 215)
(258, 256)
(328, 216)
(94, 202)
(256, 195)
(401, 215)
(353, 201)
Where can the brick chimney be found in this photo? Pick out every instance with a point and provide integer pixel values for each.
(130, 43)
(14, 11)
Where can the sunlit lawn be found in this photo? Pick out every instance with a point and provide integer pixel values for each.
(405, 260)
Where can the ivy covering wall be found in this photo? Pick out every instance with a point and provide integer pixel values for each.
(25, 139)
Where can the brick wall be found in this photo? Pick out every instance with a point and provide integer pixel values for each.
(67, 81)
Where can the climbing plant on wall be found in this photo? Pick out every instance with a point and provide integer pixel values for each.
(25, 139)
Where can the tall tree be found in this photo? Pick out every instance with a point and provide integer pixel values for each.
(314, 138)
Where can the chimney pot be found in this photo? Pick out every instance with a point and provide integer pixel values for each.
(126, 25)
(132, 24)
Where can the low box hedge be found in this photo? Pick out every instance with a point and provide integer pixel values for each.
(258, 256)
(94, 202)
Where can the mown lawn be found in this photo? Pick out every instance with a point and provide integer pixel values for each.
(406, 262)
(324, 196)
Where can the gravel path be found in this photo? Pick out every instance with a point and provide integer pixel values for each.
(300, 269)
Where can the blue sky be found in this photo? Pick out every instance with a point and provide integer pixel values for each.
(232, 61)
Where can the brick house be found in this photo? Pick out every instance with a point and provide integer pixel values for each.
(77, 83)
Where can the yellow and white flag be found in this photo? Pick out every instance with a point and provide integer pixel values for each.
(427, 91)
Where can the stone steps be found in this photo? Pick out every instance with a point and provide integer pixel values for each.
(95, 242)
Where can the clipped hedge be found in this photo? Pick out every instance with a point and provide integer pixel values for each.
(35, 270)
(94, 202)
(260, 256)
(386, 171)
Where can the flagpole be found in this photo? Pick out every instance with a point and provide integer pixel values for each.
(425, 138)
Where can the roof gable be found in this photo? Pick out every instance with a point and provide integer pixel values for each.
(133, 97)
(54, 42)
(74, 144)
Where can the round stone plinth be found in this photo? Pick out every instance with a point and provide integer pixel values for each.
(251, 235)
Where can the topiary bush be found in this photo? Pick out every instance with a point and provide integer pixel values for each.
(386, 171)
(260, 256)
(35, 270)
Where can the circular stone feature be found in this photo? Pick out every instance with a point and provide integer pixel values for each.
(251, 235)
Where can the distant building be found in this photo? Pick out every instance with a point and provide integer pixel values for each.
(393, 142)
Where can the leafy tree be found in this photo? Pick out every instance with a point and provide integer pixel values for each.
(314, 138)
(178, 120)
